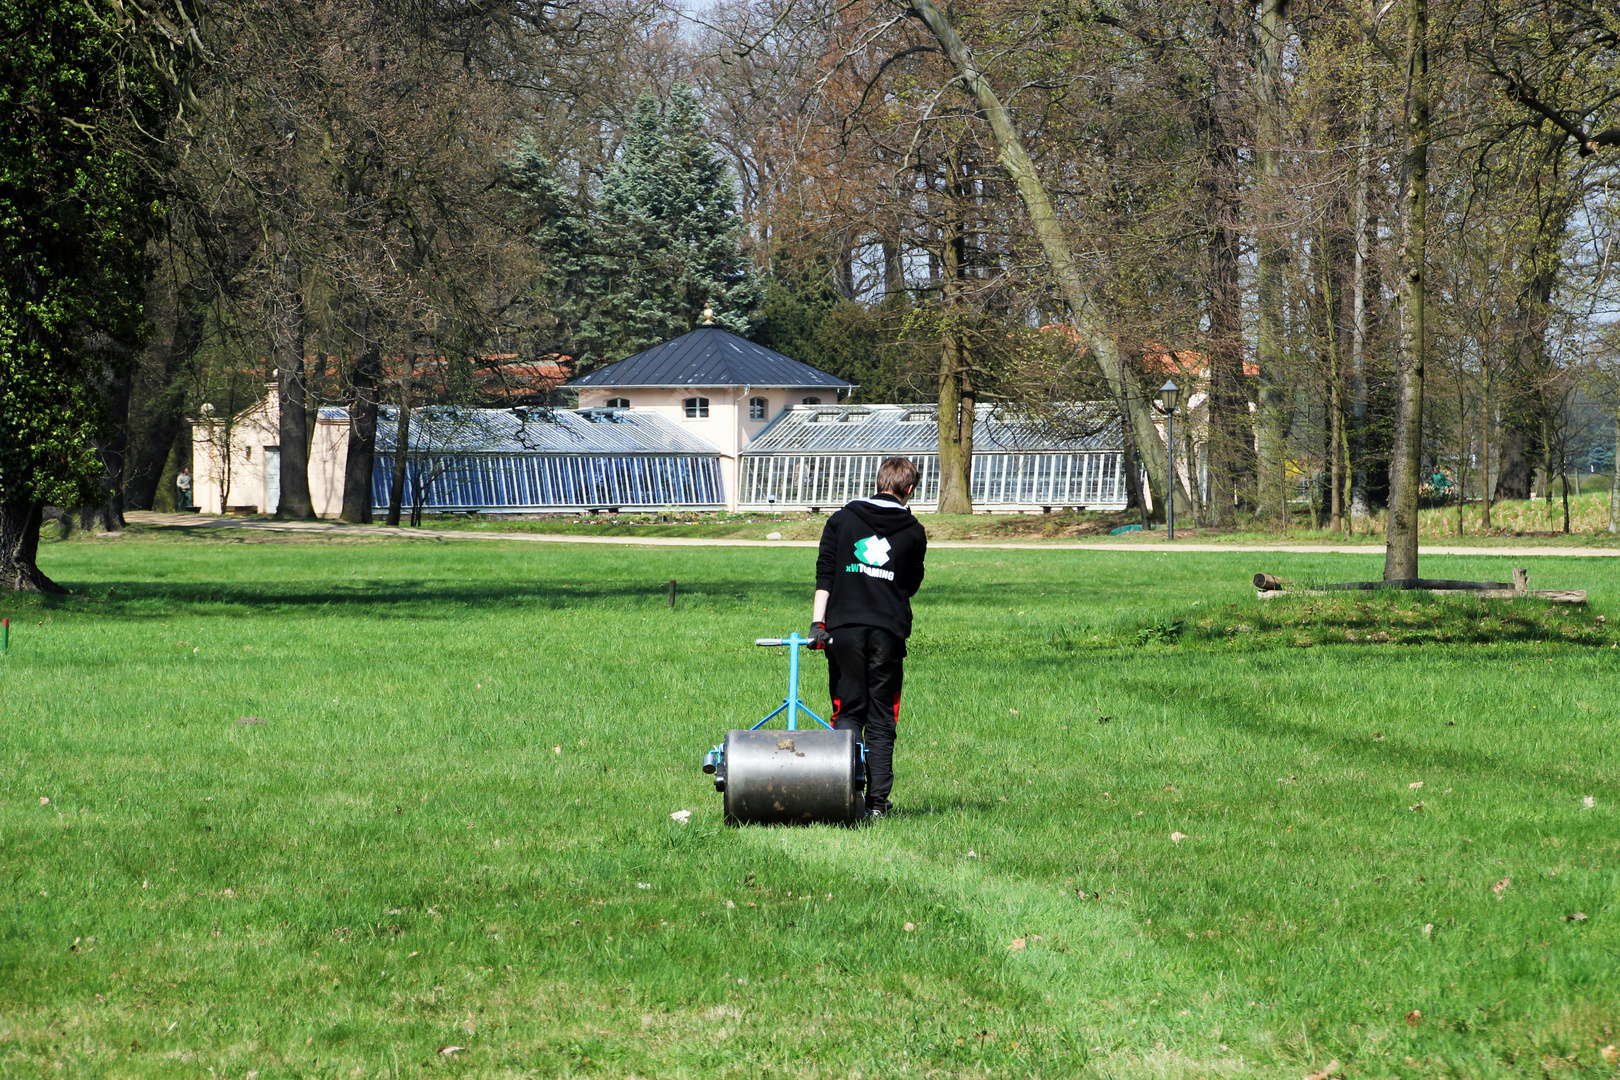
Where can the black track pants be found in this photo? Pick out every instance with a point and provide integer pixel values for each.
(865, 667)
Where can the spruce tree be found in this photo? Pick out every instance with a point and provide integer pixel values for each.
(568, 292)
(669, 223)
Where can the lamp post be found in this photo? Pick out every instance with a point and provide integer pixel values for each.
(1170, 393)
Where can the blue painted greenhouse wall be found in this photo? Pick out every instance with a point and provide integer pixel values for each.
(553, 481)
(1013, 480)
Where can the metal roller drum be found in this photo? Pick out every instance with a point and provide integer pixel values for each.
(793, 777)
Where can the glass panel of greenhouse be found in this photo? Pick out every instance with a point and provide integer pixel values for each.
(820, 457)
(541, 460)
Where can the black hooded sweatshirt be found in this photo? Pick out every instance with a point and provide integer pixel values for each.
(871, 562)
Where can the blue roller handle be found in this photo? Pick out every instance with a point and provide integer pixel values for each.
(792, 703)
(713, 761)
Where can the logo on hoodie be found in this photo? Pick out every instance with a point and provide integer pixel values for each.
(873, 552)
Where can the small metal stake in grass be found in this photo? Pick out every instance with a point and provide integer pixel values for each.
(672, 593)
(5, 636)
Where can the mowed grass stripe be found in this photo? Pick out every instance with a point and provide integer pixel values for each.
(402, 796)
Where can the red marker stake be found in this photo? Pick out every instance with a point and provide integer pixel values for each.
(5, 635)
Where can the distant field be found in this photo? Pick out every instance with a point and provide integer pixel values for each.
(449, 826)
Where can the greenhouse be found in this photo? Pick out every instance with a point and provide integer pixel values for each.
(815, 457)
(546, 460)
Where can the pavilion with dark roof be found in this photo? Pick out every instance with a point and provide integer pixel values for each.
(714, 384)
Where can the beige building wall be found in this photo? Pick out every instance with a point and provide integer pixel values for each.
(727, 426)
(228, 468)
(328, 457)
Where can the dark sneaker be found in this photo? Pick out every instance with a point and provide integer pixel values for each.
(880, 810)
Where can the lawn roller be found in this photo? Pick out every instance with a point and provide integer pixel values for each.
(792, 776)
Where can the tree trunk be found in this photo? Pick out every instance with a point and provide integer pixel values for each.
(1614, 479)
(363, 381)
(19, 549)
(844, 272)
(1231, 431)
(1271, 422)
(1462, 452)
(1486, 489)
(1546, 458)
(1563, 475)
(1348, 479)
(1527, 411)
(1133, 473)
(1231, 444)
(165, 411)
(956, 406)
(294, 427)
(955, 414)
(1360, 506)
(108, 514)
(1338, 279)
(1087, 320)
(1331, 328)
(402, 444)
(1401, 537)
(1336, 517)
(894, 270)
(1513, 479)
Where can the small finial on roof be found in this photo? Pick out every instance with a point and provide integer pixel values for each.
(708, 316)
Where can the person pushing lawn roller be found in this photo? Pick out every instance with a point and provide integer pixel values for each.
(869, 567)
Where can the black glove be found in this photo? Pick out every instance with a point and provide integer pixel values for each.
(819, 638)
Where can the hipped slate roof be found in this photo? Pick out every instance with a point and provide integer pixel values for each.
(912, 429)
(710, 356)
(447, 429)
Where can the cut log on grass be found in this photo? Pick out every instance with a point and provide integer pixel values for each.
(1422, 584)
(1552, 596)
(1270, 582)
(1272, 586)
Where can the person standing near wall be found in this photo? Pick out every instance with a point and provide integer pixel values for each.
(182, 484)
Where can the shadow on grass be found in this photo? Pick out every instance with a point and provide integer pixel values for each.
(428, 598)
(943, 807)
(416, 599)
(1240, 712)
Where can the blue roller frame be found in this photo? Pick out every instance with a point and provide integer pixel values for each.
(793, 704)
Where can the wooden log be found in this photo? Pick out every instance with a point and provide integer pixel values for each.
(1558, 596)
(1270, 582)
(1553, 596)
(1426, 584)
(1271, 586)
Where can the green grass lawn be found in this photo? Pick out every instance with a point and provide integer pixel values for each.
(451, 827)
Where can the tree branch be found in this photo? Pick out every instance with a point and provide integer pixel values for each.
(1588, 143)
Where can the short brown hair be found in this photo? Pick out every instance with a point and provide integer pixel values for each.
(897, 475)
